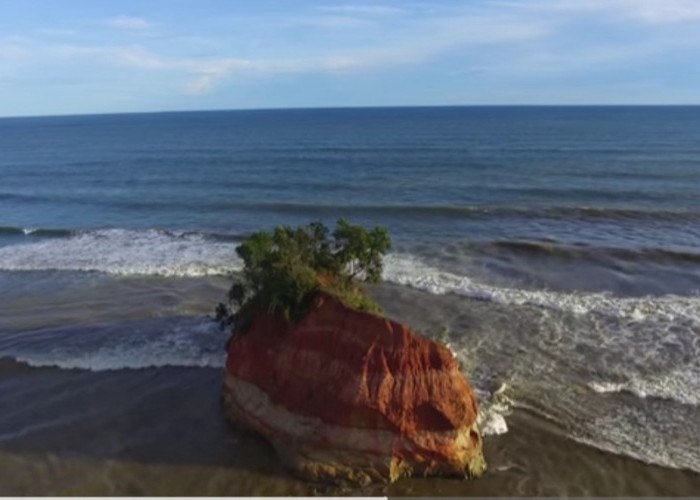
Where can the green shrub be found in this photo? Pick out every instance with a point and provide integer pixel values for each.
(282, 267)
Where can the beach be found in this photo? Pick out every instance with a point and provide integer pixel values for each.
(161, 431)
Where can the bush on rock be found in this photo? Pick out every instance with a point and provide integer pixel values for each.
(281, 269)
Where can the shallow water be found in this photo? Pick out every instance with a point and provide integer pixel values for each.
(125, 415)
(160, 432)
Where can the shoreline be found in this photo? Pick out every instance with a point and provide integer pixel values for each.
(161, 431)
(123, 431)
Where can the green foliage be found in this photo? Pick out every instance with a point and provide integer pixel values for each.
(282, 267)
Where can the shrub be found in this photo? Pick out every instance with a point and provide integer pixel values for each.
(282, 267)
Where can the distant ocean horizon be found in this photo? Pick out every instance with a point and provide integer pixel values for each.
(342, 107)
(555, 249)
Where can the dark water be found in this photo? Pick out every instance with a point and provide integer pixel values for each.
(554, 249)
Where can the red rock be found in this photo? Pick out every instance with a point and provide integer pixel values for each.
(349, 395)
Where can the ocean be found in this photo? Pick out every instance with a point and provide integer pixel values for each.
(556, 250)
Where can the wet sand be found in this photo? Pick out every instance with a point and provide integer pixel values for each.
(161, 432)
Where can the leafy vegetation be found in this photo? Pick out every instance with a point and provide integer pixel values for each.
(282, 267)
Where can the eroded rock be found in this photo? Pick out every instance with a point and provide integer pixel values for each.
(347, 395)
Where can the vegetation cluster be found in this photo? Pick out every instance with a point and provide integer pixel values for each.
(282, 268)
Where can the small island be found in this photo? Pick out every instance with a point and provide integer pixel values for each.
(341, 392)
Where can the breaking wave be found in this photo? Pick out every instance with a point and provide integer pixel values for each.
(28, 231)
(678, 384)
(405, 269)
(175, 341)
(180, 253)
(493, 410)
(126, 252)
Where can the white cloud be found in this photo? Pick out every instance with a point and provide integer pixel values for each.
(411, 38)
(210, 73)
(649, 11)
(410, 42)
(128, 23)
(664, 11)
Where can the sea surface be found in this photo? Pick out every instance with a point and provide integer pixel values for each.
(555, 249)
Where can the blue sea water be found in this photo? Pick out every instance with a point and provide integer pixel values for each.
(439, 166)
(577, 228)
(463, 180)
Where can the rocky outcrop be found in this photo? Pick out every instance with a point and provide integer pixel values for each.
(347, 395)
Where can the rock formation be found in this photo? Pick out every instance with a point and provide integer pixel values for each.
(347, 395)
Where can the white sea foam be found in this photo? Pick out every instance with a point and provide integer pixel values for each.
(647, 346)
(125, 252)
(166, 253)
(185, 342)
(493, 410)
(408, 270)
(606, 387)
(681, 384)
(646, 436)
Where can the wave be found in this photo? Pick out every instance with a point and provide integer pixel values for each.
(649, 435)
(477, 211)
(520, 247)
(446, 211)
(549, 249)
(179, 341)
(43, 232)
(172, 253)
(645, 437)
(493, 410)
(679, 385)
(127, 252)
(406, 269)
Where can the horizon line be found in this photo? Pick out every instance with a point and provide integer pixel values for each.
(310, 108)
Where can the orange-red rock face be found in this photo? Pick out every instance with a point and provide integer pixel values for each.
(348, 395)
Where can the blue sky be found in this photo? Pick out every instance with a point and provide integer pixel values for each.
(95, 56)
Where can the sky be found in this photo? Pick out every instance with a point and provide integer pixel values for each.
(102, 56)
